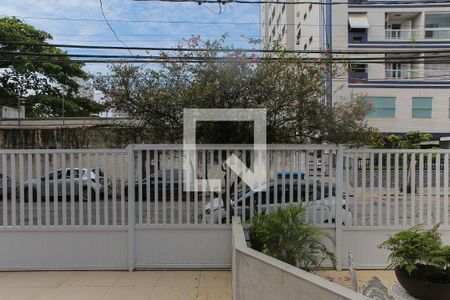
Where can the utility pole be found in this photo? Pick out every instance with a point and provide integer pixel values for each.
(329, 48)
(19, 100)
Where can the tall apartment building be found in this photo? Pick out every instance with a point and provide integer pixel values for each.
(404, 96)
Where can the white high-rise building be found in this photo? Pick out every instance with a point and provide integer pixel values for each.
(405, 96)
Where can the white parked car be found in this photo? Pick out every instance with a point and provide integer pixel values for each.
(323, 207)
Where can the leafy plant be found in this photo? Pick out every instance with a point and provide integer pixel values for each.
(285, 235)
(420, 252)
(290, 89)
(53, 81)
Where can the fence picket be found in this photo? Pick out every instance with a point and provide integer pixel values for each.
(446, 212)
(5, 189)
(438, 188)
(381, 187)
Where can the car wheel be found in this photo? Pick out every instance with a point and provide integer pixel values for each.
(86, 194)
(332, 221)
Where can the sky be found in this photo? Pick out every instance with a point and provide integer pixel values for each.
(150, 34)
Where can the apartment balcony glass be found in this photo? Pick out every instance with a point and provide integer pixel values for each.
(402, 70)
(402, 34)
(430, 72)
(403, 74)
(437, 25)
(403, 26)
(437, 72)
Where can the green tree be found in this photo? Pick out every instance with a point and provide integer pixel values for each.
(41, 83)
(411, 140)
(289, 87)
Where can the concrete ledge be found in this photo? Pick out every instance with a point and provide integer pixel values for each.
(258, 276)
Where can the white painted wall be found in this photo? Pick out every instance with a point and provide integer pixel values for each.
(311, 26)
(258, 276)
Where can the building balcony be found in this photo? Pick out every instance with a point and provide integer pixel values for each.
(403, 74)
(418, 74)
(403, 34)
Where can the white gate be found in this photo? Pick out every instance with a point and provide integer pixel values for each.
(126, 209)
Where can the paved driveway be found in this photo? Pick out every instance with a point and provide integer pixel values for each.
(111, 285)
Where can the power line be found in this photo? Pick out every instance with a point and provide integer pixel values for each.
(223, 2)
(175, 59)
(387, 59)
(177, 49)
(110, 27)
(177, 22)
(168, 60)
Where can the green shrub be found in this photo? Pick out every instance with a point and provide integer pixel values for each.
(286, 236)
(421, 253)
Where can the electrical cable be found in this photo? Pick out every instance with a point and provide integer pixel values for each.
(71, 55)
(223, 2)
(110, 27)
(177, 49)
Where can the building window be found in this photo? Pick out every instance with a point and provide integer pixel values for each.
(304, 16)
(437, 25)
(283, 8)
(382, 107)
(422, 107)
(310, 39)
(449, 108)
(305, 46)
(358, 73)
(310, 7)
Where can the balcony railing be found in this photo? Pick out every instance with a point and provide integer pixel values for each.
(403, 74)
(417, 74)
(411, 34)
(437, 33)
(436, 74)
(402, 34)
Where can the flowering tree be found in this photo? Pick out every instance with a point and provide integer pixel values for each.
(290, 87)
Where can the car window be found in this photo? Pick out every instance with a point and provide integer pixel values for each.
(100, 172)
(59, 174)
(50, 176)
(69, 173)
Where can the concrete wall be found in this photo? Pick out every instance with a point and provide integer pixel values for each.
(258, 276)
(7, 112)
(70, 138)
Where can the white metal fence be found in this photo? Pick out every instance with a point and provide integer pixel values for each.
(126, 208)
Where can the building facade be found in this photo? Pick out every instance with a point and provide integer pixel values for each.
(405, 96)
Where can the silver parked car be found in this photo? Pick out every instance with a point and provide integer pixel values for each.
(323, 204)
(6, 187)
(87, 178)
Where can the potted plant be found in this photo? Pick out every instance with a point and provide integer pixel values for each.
(285, 235)
(421, 262)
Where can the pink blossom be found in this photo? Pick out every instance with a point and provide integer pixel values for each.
(194, 40)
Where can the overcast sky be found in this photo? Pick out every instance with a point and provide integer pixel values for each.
(134, 33)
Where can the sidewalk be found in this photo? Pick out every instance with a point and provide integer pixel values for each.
(112, 285)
